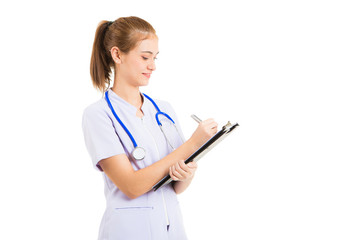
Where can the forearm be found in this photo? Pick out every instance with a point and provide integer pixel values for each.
(135, 183)
(149, 176)
(144, 179)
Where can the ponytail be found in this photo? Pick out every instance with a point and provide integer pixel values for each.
(123, 33)
(101, 62)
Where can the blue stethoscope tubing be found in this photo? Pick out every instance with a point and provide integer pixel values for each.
(139, 153)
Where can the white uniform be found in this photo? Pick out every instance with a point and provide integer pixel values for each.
(154, 215)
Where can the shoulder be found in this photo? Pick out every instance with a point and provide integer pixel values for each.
(97, 109)
(164, 106)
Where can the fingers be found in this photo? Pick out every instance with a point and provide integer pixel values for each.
(192, 165)
(209, 122)
(181, 171)
(210, 126)
(204, 132)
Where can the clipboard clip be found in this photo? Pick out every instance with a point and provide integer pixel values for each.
(227, 126)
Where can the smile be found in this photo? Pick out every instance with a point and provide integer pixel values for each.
(147, 75)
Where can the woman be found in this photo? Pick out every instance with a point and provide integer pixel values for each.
(125, 141)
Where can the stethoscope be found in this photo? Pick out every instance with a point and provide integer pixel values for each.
(139, 153)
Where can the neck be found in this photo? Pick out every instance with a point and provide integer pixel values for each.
(129, 93)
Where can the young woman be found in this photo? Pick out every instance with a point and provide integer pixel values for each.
(132, 139)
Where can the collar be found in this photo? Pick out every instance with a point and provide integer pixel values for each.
(126, 107)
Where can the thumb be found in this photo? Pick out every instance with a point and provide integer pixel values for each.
(192, 165)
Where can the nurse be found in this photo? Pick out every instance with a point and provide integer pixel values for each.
(125, 119)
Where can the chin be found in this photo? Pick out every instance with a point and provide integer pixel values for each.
(144, 83)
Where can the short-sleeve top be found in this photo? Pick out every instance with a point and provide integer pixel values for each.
(105, 137)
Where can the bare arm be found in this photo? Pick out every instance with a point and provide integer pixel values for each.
(135, 183)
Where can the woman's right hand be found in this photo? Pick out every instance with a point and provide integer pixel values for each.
(204, 132)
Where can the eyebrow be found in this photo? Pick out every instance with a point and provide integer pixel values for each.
(149, 52)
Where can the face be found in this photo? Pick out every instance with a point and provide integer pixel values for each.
(136, 66)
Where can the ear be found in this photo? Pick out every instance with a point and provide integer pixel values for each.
(116, 55)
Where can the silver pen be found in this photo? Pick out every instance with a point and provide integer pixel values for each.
(198, 120)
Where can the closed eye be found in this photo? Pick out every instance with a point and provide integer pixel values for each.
(145, 58)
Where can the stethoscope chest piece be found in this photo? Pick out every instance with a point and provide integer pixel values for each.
(138, 153)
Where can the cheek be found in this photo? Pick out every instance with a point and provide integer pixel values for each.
(137, 65)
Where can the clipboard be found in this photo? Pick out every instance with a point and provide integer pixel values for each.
(210, 144)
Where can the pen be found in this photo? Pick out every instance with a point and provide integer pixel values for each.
(198, 120)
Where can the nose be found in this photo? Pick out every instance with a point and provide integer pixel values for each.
(152, 65)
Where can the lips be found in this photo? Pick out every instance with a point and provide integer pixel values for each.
(147, 75)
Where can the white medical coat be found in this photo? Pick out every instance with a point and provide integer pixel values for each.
(148, 216)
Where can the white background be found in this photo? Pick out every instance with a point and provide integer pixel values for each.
(286, 71)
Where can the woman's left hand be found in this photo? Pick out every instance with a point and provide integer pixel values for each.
(182, 172)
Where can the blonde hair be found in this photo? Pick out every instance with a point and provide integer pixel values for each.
(124, 33)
